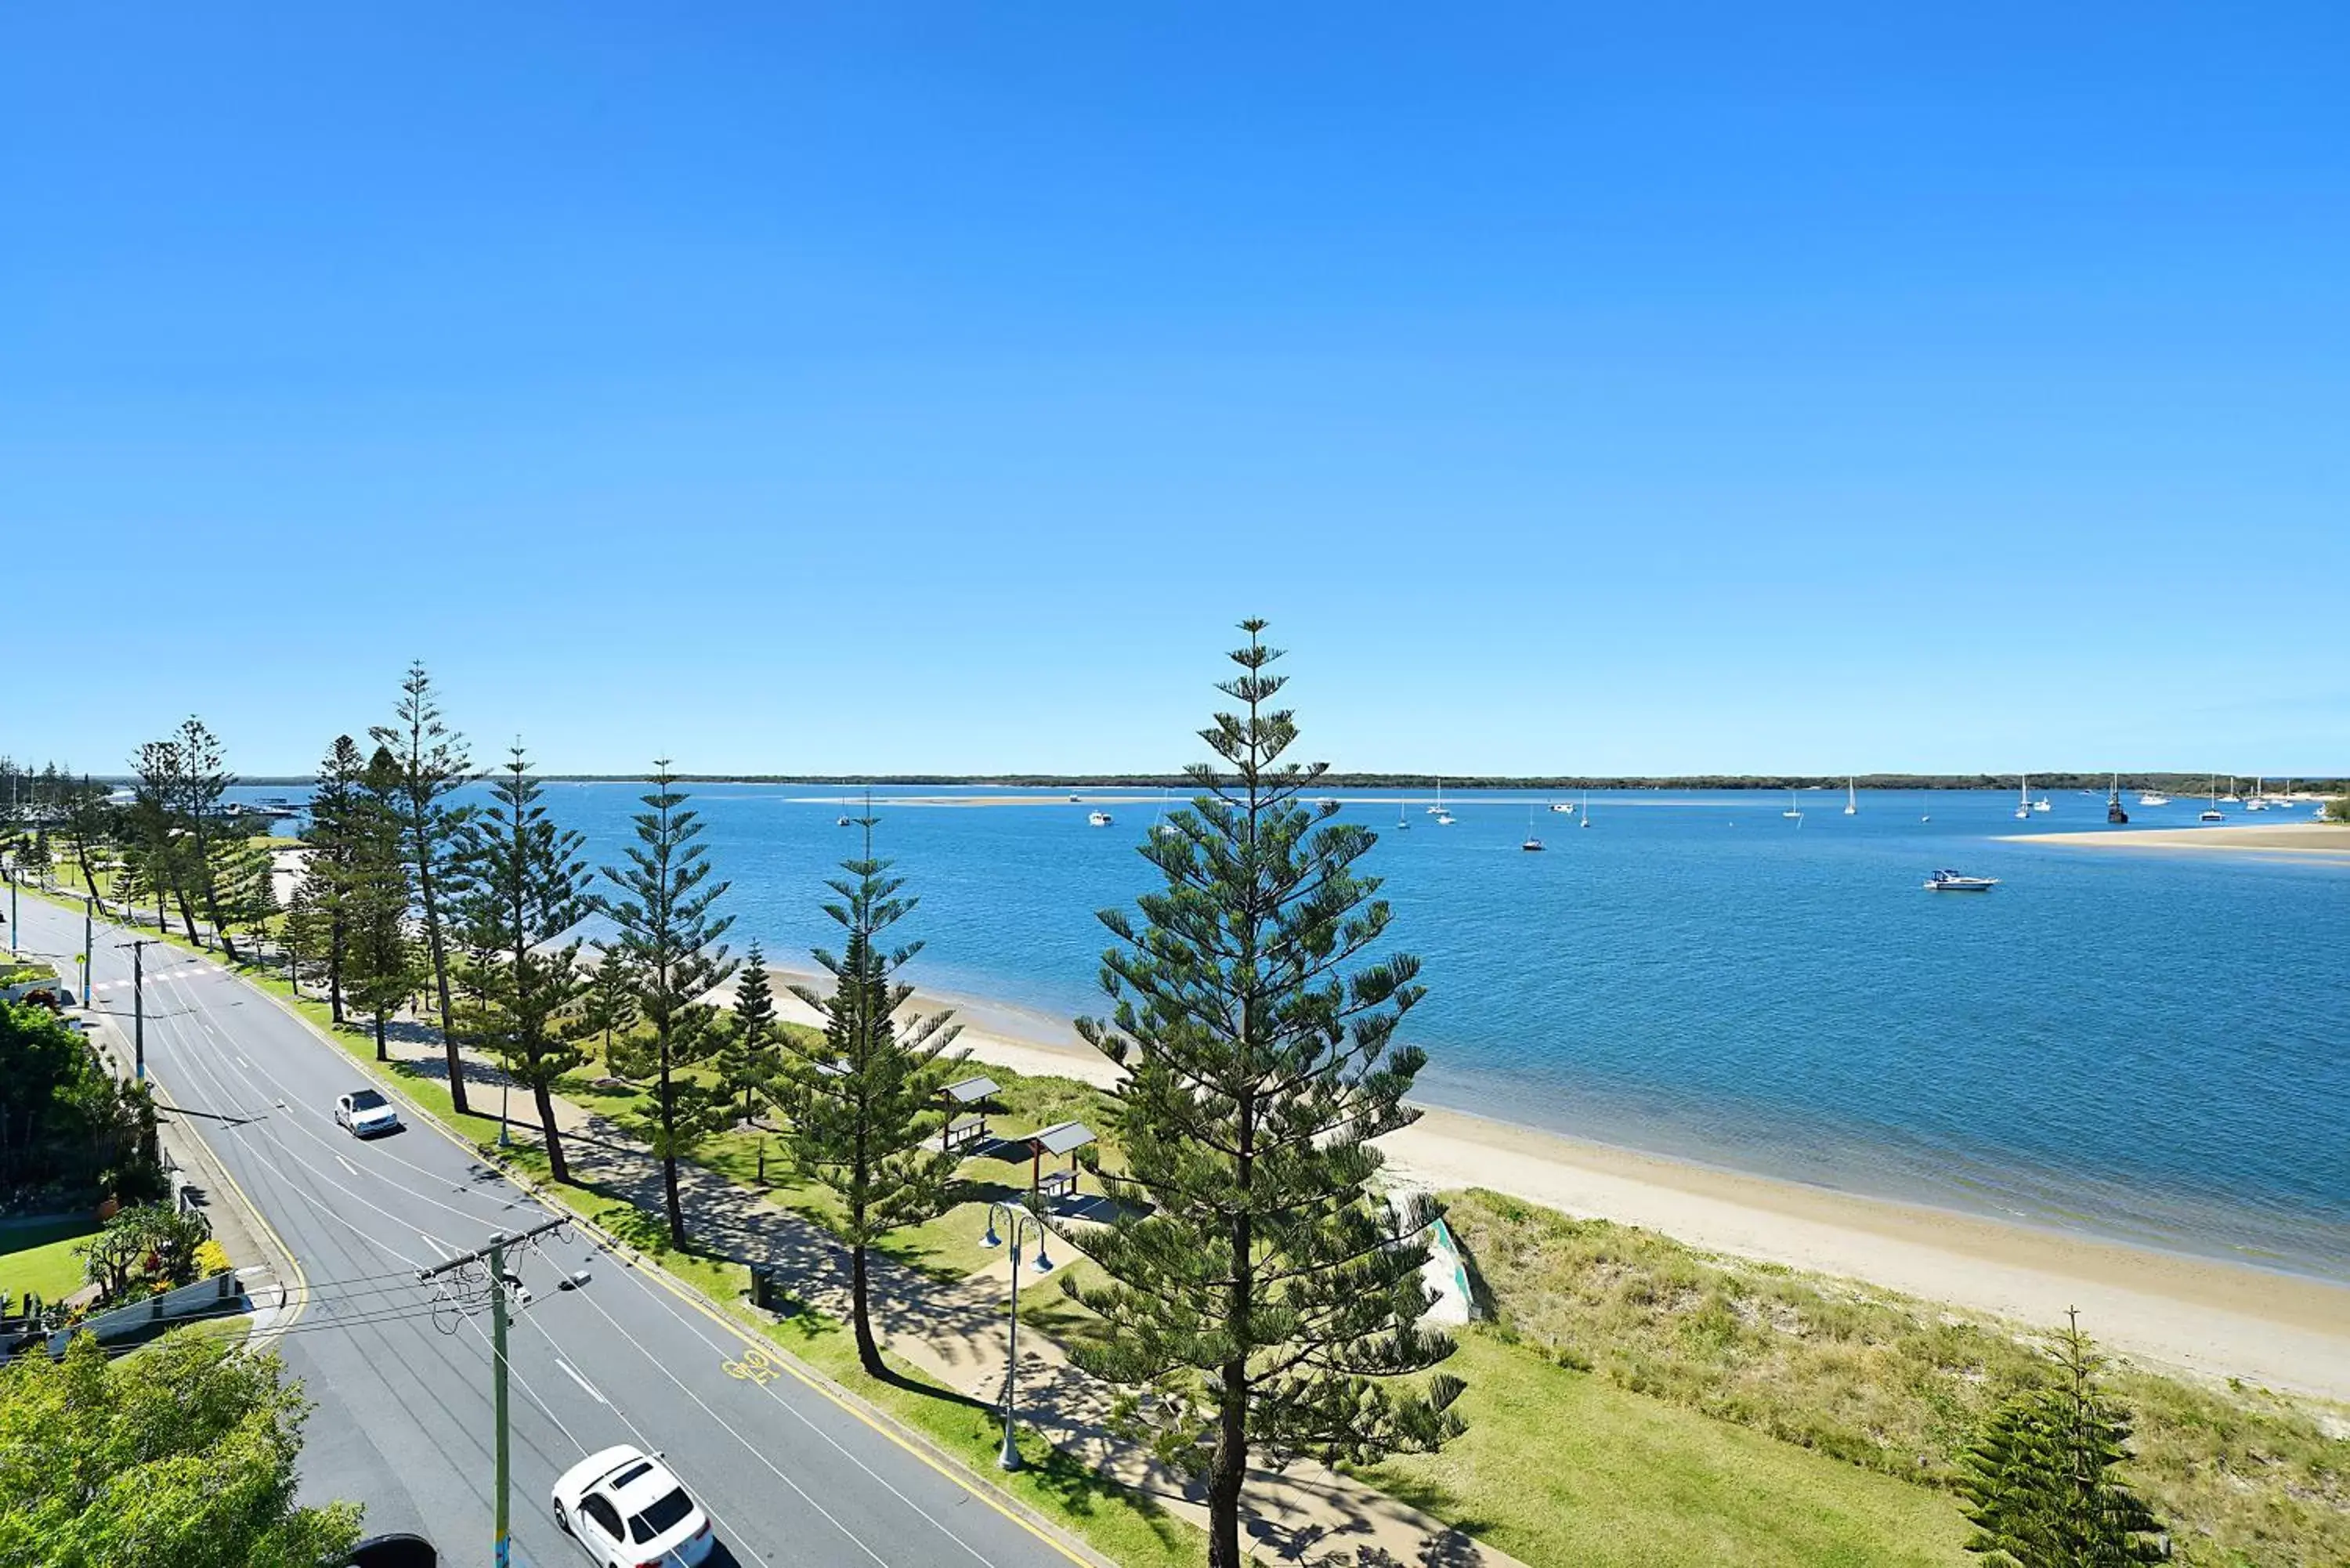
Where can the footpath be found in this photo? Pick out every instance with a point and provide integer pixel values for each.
(957, 1335)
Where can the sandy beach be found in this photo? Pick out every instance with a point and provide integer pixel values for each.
(2319, 840)
(2211, 1318)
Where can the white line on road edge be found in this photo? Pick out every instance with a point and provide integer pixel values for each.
(574, 1375)
(347, 1165)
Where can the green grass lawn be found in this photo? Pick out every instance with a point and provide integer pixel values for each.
(1890, 1383)
(1562, 1467)
(38, 1256)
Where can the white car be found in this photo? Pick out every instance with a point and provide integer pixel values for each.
(365, 1112)
(627, 1511)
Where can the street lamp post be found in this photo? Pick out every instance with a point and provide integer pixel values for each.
(1018, 1222)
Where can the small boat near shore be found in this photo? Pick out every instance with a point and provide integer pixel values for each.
(1955, 882)
(1099, 818)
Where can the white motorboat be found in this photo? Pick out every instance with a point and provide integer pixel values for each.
(1952, 882)
(1099, 818)
(2041, 804)
(1566, 806)
(2153, 797)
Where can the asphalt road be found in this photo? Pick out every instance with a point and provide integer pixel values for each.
(401, 1375)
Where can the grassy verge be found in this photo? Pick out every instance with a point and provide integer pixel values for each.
(38, 1257)
(1882, 1381)
(1562, 1467)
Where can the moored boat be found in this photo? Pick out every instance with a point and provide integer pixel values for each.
(1954, 882)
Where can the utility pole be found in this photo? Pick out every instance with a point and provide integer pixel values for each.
(86, 975)
(495, 1252)
(139, 946)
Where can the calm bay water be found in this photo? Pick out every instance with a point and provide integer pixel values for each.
(2150, 1047)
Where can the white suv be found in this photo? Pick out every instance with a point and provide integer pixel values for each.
(627, 1511)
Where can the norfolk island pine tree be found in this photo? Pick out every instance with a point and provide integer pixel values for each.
(524, 889)
(864, 1103)
(661, 901)
(1258, 1289)
(434, 762)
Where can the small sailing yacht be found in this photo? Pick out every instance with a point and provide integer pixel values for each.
(1159, 827)
(2213, 813)
(2023, 799)
(2232, 798)
(1403, 823)
(1438, 809)
(1794, 812)
(1532, 846)
(1583, 818)
(2258, 800)
(1851, 799)
(2114, 812)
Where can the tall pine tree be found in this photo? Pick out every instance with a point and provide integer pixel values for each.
(2040, 1483)
(327, 859)
(662, 902)
(203, 785)
(747, 1059)
(1257, 1285)
(379, 964)
(526, 891)
(433, 764)
(865, 1102)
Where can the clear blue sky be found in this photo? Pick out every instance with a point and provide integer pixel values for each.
(885, 388)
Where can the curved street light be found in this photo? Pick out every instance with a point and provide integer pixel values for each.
(1018, 1222)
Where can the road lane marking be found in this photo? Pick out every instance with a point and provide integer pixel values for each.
(347, 1165)
(574, 1375)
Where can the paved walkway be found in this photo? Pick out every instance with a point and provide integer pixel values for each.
(956, 1334)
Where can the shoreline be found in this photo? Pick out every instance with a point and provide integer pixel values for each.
(2209, 1317)
(2328, 841)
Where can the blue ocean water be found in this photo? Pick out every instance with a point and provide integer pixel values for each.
(2150, 1047)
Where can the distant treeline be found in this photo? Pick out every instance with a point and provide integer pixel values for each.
(2178, 783)
(2166, 783)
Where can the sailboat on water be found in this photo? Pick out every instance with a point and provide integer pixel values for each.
(1583, 818)
(1403, 823)
(1532, 846)
(2213, 813)
(1794, 812)
(1443, 818)
(2114, 812)
(1851, 799)
(2023, 798)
